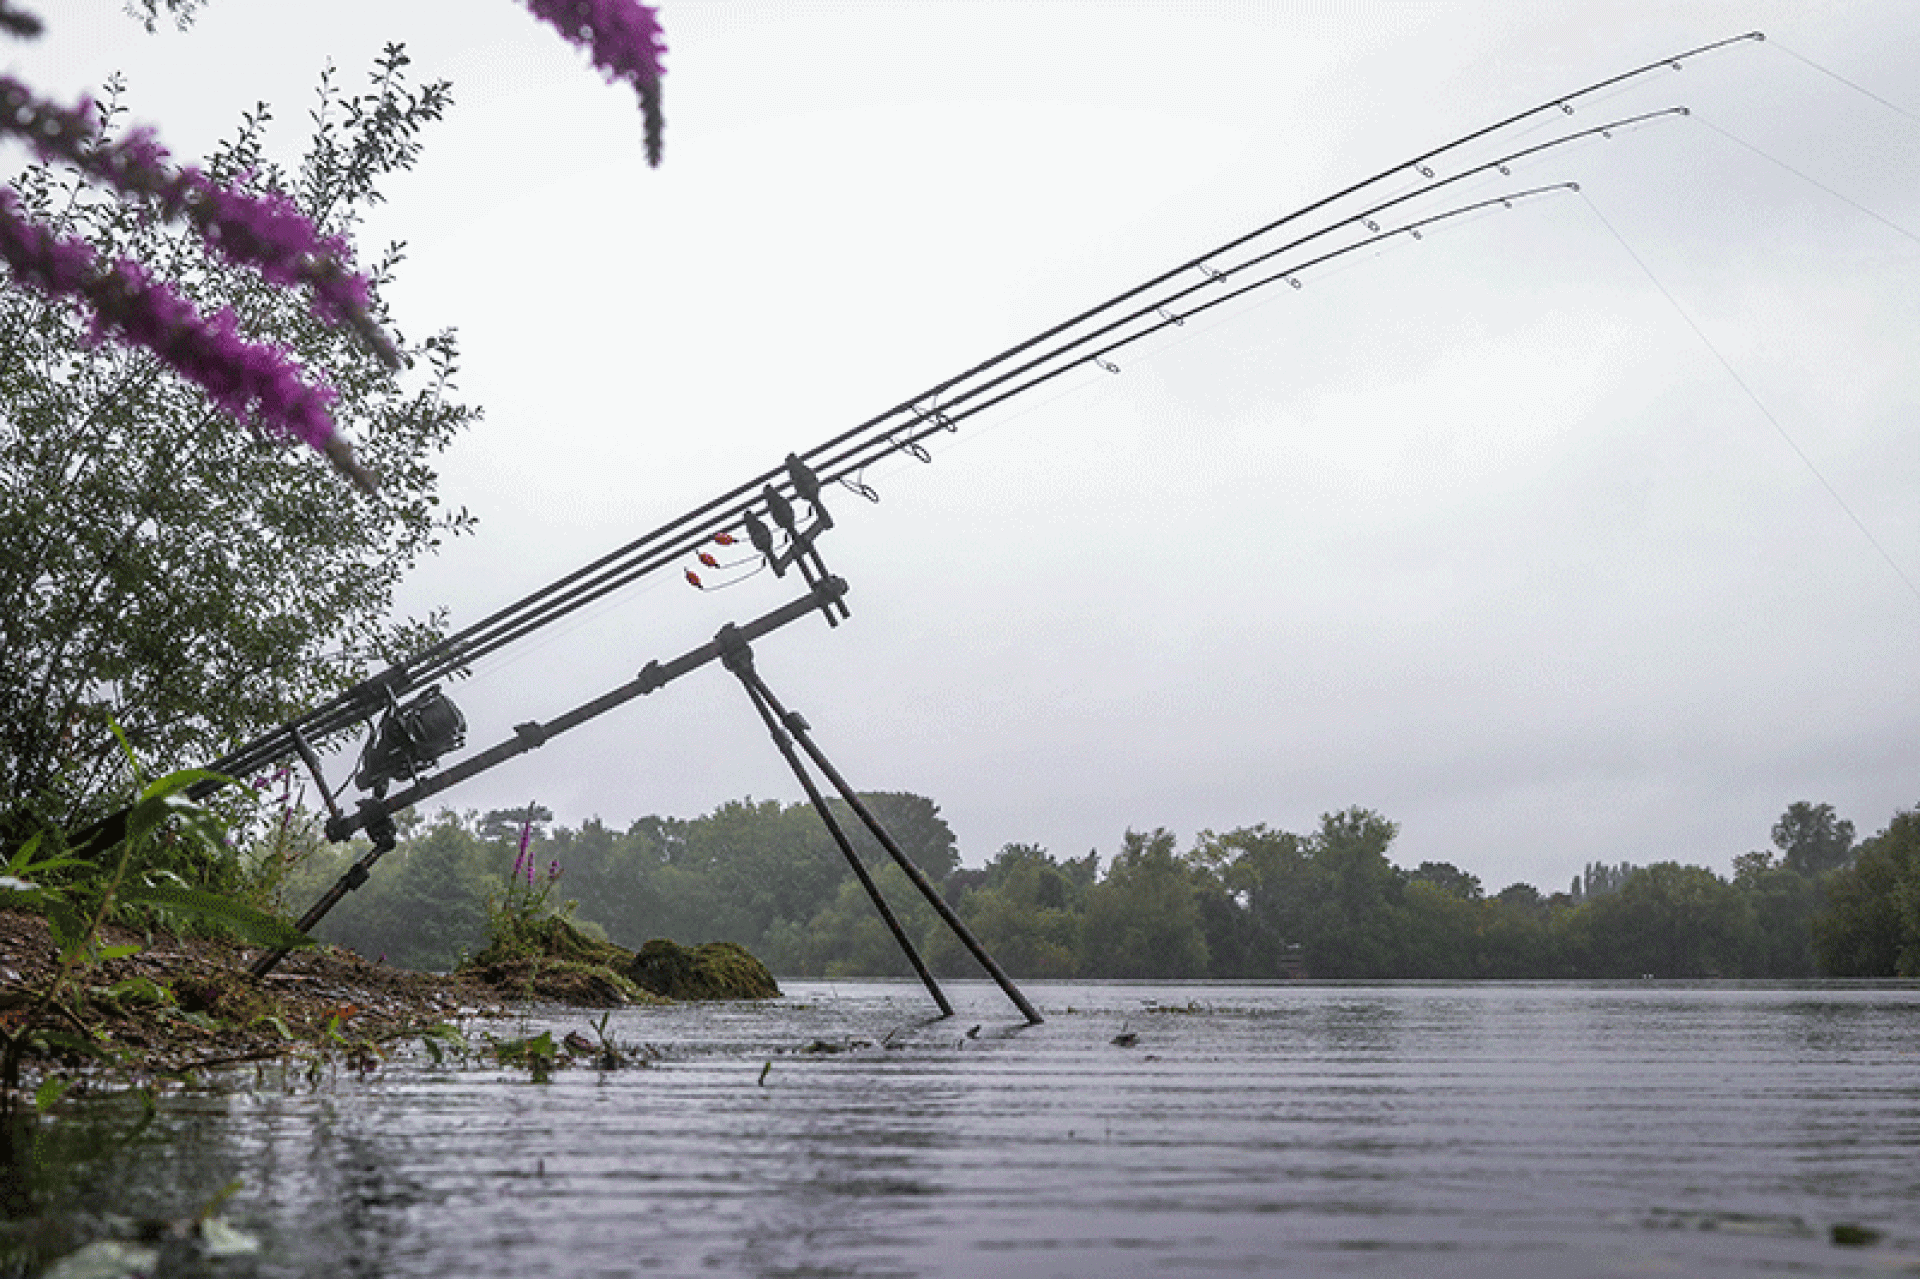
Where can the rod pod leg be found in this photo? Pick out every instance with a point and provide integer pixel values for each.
(803, 734)
(380, 829)
(739, 660)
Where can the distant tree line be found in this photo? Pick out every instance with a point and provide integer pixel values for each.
(1249, 903)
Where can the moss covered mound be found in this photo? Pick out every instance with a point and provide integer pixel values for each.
(551, 959)
(551, 937)
(714, 970)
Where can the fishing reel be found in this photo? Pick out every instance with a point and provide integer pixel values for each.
(410, 738)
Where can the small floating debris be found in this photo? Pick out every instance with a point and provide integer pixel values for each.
(1848, 1235)
(826, 1046)
(1737, 1223)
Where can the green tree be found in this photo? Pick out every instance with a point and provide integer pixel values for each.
(1870, 926)
(1029, 913)
(847, 938)
(1273, 874)
(743, 867)
(160, 569)
(1669, 920)
(504, 824)
(1356, 926)
(1142, 919)
(1812, 839)
(425, 904)
(613, 876)
(1449, 879)
(915, 823)
(1513, 934)
(1783, 903)
(1442, 933)
(1601, 879)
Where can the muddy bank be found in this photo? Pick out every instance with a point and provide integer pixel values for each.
(183, 1003)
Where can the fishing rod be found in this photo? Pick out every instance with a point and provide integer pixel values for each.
(900, 429)
(407, 739)
(937, 409)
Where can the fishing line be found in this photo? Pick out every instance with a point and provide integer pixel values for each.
(492, 662)
(1811, 181)
(1757, 401)
(1860, 89)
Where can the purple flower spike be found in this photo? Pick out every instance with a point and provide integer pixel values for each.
(266, 233)
(246, 379)
(624, 40)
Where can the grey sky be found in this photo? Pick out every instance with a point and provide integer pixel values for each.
(1476, 531)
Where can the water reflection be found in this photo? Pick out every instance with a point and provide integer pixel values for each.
(1516, 1129)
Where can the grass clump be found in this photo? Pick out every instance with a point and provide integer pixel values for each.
(713, 970)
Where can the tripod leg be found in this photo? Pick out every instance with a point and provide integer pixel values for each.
(798, 727)
(384, 840)
(740, 661)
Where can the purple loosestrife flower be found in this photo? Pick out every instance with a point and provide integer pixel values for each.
(624, 40)
(251, 381)
(526, 834)
(264, 232)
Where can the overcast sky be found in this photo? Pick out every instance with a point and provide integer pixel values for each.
(1585, 531)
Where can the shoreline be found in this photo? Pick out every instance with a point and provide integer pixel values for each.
(185, 1004)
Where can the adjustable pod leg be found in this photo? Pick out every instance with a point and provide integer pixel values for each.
(802, 734)
(380, 830)
(740, 661)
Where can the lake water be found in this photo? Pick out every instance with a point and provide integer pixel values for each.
(1503, 1129)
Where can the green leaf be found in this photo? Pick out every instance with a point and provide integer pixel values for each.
(173, 783)
(109, 953)
(139, 990)
(126, 748)
(447, 1032)
(52, 863)
(60, 1040)
(277, 1023)
(146, 816)
(23, 855)
(48, 1094)
(255, 927)
(69, 932)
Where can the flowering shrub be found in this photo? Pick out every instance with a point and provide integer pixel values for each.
(247, 379)
(517, 918)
